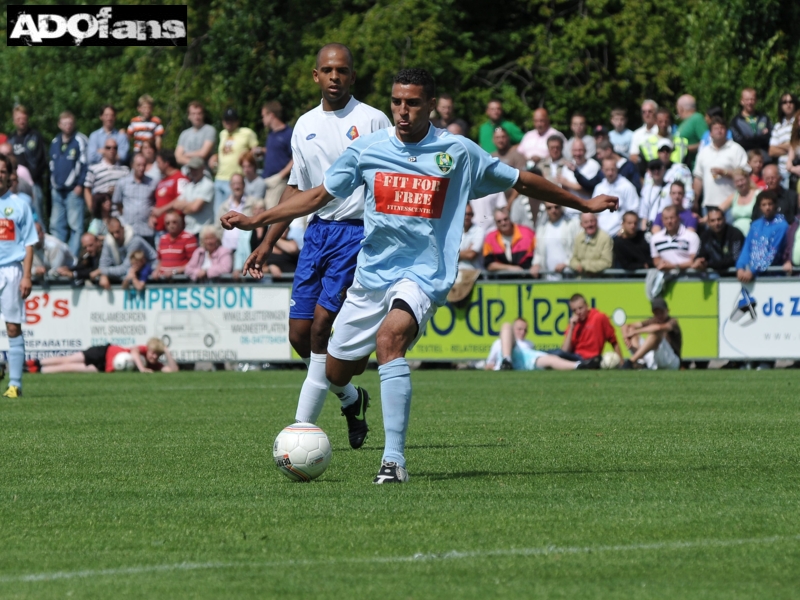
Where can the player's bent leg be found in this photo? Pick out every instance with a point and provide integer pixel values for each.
(551, 361)
(651, 342)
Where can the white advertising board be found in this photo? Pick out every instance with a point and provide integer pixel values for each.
(760, 320)
(198, 323)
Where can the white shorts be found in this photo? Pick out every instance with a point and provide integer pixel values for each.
(356, 326)
(12, 306)
(663, 357)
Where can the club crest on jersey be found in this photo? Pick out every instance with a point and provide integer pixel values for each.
(352, 133)
(445, 162)
(8, 211)
(311, 136)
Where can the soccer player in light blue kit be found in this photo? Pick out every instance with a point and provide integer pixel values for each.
(17, 239)
(419, 180)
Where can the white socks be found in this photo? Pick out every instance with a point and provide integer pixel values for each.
(315, 389)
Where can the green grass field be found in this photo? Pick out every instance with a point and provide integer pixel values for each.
(595, 484)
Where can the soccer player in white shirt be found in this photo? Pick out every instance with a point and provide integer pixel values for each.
(17, 239)
(328, 259)
(419, 180)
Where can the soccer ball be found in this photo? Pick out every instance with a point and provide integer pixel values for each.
(610, 360)
(302, 452)
(123, 362)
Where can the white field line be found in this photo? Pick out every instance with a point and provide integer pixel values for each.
(452, 555)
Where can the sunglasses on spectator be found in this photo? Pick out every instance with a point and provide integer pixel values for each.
(787, 101)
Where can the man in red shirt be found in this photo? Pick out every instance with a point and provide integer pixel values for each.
(168, 189)
(588, 332)
(175, 247)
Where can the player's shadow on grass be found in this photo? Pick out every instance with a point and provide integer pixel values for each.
(478, 474)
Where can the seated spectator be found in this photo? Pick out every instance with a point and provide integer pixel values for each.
(49, 254)
(655, 342)
(138, 273)
(447, 115)
(471, 248)
(168, 190)
(197, 200)
(587, 168)
(520, 358)
(675, 246)
(765, 242)
(552, 165)
(119, 244)
(631, 249)
(254, 185)
(720, 244)
(593, 250)
(100, 359)
(519, 329)
(236, 202)
(151, 165)
(102, 176)
(211, 259)
(755, 160)
(791, 256)
(614, 185)
(713, 168)
(199, 140)
(685, 215)
(587, 334)
(175, 248)
(494, 111)
(88, 265)
(102, 208)
(625, 167)
(134, 198)
(751, 129)
(620, 136)
(283, 258)
(109, 131)
(692, 126)
(786, 200)
(578, 127)
(510, 247)
(742, 201)
(780, 138)
(555, 242)
(145, 127)
(234, 141)
(655, 195)
(534, 143)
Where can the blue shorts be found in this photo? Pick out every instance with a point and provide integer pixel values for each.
(524, 359)
(326, 266)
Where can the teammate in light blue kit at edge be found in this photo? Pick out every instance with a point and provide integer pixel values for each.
(419, 180)
(17, 239)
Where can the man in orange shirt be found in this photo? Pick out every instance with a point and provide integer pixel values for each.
(588, 332)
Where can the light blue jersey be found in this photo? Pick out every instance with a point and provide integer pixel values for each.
(17, 229)
(416, 199)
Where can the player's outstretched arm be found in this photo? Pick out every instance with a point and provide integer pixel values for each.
(535, 186)
(298, 205)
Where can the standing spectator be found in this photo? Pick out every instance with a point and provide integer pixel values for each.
(613, 184)
(713, 169)
(534, 143)
(151, 164)
(648, 128)
(236, 202)
(102, 212)
(791, 256)
(197, 200)
(510, 247)
(447, 115)
(134, 198)
(30, 149)
(145, 126)
(742, 201)
(685, 215)
(199, 140)
(494, 110)
(233, 142)
(755, 161)
(648, 150)
(586, 168)
(675, 246)
(108, 130)
(555, 242)
(720, 244)
(620, 136)
(505, 152)
(211, 259)
(278, 151)
(593, 250)
(765, 242)
(589, 331)
(254, 185)
(631, 250)
(692, 126)
(119, 244)
(102, 177)
(779, 140)
(176, 246)
(750, 129)
(68, 165)
(553, 164)
(714, 111)
(786, 200)
(169, 189)
(469, 253)
(49, 254)
(655, 195)
(578, 127)
(88, 265)
(655, 341)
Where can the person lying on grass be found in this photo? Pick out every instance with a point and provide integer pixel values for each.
(100, 359)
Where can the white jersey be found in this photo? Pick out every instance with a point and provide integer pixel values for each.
(319, 138)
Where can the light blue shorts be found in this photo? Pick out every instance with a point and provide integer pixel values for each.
(524, 359)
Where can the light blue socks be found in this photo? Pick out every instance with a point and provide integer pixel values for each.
(396, 403)
(16, 358)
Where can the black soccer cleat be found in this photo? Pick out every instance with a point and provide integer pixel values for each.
(506, 365)
(590, 363)
(356, 415)
(627, 365)
(391, 472)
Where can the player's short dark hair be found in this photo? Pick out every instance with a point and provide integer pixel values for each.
(680, 184)
(335, 46)
(419, 77)
(576, 297)
(770, 195)
(168, 156)
(630, 212)
(9, 165)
